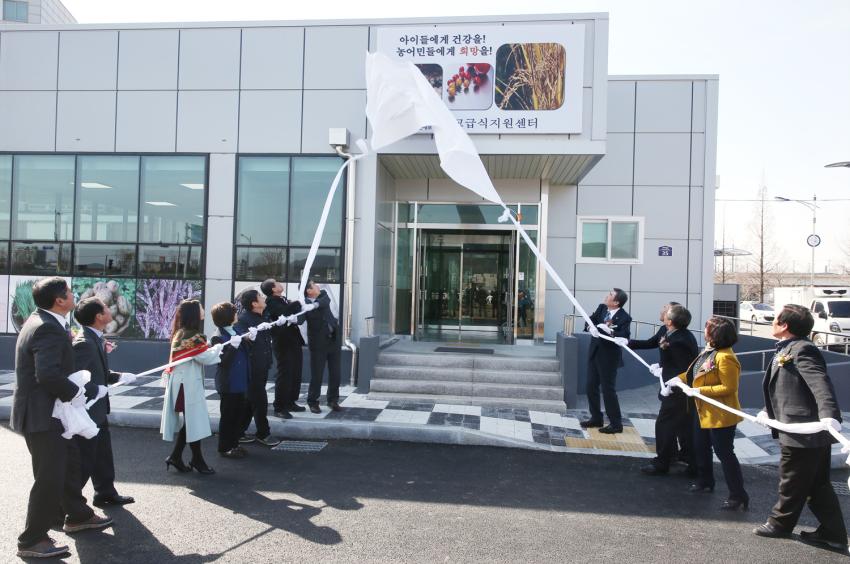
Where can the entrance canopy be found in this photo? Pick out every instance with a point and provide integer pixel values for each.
(558, 169)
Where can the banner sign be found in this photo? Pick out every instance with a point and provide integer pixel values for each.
(499, 79)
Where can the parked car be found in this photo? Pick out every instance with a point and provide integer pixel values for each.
(756, 312)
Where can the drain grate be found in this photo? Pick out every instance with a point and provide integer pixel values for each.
(841, 488)
(301, 446)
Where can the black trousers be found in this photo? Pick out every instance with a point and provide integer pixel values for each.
(96, 462)
(804, 475)
(606, 378)
(287, 387)
(257, 407)
(722, 441)
(232, 408)
(672, 428)
(325, 354)
(57, 489)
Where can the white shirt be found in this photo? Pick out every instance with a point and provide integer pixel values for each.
(613, 312)
(96, 332)
(61, 319)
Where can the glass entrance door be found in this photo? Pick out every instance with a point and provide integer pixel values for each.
(466, 286)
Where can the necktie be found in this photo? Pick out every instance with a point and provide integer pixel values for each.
(608, 316)
(68, 331)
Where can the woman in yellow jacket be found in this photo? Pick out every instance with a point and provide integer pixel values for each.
(715, 373)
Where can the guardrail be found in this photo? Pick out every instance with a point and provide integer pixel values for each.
(640, 329)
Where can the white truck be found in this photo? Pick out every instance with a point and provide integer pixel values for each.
(830, 306)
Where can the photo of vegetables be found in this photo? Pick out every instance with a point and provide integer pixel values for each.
(21, 304)
(156, 302)
(118, 294)
(434, 75)
(530, 76)
(471, 88)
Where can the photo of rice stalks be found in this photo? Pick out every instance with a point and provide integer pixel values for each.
(21, 302)
(530, 76)
(434, 75)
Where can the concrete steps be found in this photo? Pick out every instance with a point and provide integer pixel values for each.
(469, 379)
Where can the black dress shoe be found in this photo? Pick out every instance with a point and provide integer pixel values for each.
(201, 467)
(283, 414)
(611, 429)
(590, 423)
(770, 531)
(296, 408)
(234, 453)
(335, 406)
(697, 488)
(735, 504)
(314, 408)
(653, 470)
(821, 537)
(112, 500)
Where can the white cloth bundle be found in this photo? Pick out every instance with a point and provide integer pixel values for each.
(73, 415)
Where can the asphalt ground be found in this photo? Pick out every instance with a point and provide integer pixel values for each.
(370, 501)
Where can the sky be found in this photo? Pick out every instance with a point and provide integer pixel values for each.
(784, 109)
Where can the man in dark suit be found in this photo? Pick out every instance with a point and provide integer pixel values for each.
(677, 348)
(325, 346)
(43, 361)
(287, 343)
(90, 354)
(797, 389)
(604, 359)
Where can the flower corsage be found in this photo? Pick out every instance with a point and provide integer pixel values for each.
(782, 359)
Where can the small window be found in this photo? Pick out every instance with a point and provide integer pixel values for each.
(610, 239)
(15, 11)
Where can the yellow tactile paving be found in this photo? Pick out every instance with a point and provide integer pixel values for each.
(629, 441)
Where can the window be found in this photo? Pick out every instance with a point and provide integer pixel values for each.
(173, 191)
(279, 204)
(104, 260)
(15, 11)
(5, 194)
(44, 197)
(107, 198)
(41, 259)
(610, 239)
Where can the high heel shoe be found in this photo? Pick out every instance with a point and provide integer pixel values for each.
(735, 504)
(177, 463)
(201, 467)
(696, 488)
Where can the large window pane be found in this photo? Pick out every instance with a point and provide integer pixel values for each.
(460, 213)
(260, 263)
(311, 180)
(4, 256)
(44, 197)
(526, 287)
(41, 259)
(107, 198)
(172, 201)
(263, 201)
(529, 214)
(5, 194)
(594, 239)
(170, 261)
(624, 240)
(104, 260)
(326, 266)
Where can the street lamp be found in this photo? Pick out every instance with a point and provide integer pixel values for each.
(814, 239)
(844, 164)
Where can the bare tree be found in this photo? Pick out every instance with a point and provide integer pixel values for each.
(765, 265)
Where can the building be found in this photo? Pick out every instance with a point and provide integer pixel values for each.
(36, 12)
(173, 160)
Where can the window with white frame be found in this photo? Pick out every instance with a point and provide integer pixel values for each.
(610, 240)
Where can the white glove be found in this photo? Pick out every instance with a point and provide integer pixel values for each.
(666, 391)
(593, 331)
(102, 392)
(622, 341)
(79, 400)
(264, 326)
(292, 320)
(280, 321)
(605, 328)
(252, 333)
(217, 348)
(829, 421)
(235, 341)
(126, 379)
(656, 370)
(762, 417)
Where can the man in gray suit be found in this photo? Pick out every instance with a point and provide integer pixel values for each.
(90, 354)
(43, 361)
(797, 389)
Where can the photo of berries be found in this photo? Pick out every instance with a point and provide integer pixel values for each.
(434, 75)
(530, 76)
(471, 88)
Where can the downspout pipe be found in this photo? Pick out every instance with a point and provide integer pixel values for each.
(348, 291)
